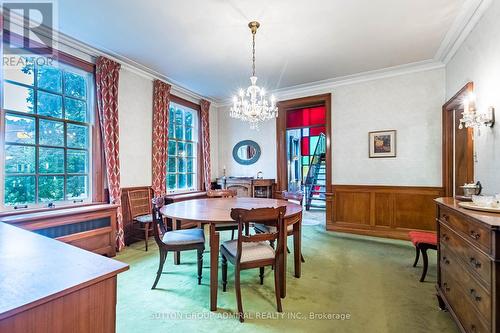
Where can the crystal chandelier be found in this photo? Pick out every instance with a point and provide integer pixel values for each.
(252, 105)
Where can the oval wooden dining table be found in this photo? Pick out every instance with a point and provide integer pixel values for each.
(214, 211)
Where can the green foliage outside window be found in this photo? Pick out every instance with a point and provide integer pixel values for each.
(46, 134)
(181, 162)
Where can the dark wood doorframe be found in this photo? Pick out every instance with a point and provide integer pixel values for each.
(448, 137)
(283, 107)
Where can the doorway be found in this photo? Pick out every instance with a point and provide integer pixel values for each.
(306, 155)
(458, 145)
(303, 130)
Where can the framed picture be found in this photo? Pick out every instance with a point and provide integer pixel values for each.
(382, 144)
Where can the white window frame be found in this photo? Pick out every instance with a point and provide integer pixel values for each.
(90, 125)
(194, 142)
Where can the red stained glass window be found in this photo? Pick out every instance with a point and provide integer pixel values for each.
(317, 130)
(304, 146)
(306, 117)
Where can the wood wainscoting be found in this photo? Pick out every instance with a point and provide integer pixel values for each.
(383, 211)
(90, 227)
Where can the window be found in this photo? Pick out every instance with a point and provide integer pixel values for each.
(47, 119)
(182, 164)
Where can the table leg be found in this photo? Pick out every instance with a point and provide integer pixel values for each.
(176, 225)
(297, 247)
(206, 231)
(214, 266)
(282, 266)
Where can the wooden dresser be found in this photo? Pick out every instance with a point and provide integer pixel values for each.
(248, 186)
(468, 266)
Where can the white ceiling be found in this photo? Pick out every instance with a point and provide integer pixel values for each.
(205, 45)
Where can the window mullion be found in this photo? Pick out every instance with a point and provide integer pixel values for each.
(37, 129)
(65, 133)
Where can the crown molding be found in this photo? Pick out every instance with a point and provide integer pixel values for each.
(93, 52)
(318, 87)
(466, 20)
(129, 65)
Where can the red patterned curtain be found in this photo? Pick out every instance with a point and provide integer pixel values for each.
(205, 142)
(161, 101)
(107, 72)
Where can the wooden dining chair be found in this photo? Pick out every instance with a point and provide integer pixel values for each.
(297, 197)
(139, 202)
(224, 193)
(253, 251)
(175, 240)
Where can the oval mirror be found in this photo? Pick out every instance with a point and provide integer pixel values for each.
(246, 152)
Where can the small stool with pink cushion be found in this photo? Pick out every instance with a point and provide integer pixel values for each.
(423, 241)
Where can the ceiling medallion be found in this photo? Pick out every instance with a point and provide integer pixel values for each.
(252, 105)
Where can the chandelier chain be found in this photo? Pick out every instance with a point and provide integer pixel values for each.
(253, 54)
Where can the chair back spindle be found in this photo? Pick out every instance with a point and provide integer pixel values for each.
(139, 202)
(273, 217)
(158, 223)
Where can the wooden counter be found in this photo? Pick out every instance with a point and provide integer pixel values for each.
(50, 286)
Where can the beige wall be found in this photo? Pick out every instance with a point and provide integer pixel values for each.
(232, 131)
(410, 104)
(478, 60)
(135, 112)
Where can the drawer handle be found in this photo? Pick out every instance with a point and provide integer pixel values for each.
(475, 262)
(473, 328)
(475, 235)
(445, 237)
(474, 295)
(445, 285)
(446, 260)
(446, 217)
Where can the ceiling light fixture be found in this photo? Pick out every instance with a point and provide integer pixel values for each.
(252, 105)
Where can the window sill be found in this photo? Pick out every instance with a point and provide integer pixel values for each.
(13, 216)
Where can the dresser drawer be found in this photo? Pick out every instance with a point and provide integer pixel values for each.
(461, 305)
(262, 182)
(473, 231)
(473, 259)
(478, 295)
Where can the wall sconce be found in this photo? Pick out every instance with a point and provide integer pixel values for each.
(472, 118)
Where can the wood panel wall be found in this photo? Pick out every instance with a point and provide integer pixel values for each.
(384, 211)
(90, 227)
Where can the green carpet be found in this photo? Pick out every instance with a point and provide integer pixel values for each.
(354, 283)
